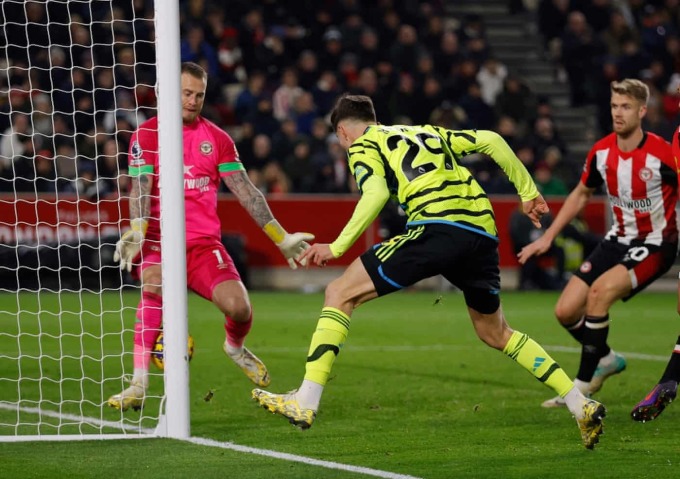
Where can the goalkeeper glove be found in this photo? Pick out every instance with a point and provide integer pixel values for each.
(291, 245)
(130, 243)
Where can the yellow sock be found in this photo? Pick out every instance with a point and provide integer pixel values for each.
(330, 335)
(532, 357)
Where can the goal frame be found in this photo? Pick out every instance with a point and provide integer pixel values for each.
(174, 417)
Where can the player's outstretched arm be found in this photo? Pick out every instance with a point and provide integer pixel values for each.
(253, 201)
(130, 243)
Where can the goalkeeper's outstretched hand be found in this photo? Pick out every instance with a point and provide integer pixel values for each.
(293, 245)
(130, 244)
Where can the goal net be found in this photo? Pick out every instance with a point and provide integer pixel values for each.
(76, 78)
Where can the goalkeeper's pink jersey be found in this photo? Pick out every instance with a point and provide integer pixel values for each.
(209, 155)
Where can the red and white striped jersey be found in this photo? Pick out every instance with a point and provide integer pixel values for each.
(642, 187)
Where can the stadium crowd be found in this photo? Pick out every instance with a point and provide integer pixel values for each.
(76, 89)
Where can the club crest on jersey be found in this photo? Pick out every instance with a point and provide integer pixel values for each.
(206, 148)
(586, 267)
(645, 174)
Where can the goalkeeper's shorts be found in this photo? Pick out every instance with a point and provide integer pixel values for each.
(208, 264)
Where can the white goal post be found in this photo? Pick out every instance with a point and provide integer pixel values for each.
(76, 78)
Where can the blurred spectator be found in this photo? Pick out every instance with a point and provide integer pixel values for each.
(491, 76)
(285, 139)
(297, 166)
(552, 18)
(369, 52)
(305, 113)
(247, 100)
(329, 57)
(45, 172)
(16, 141)
(580, 54)
(308, 69)
(195, 49)
(516, 101)
(230, 57)
(127, 110)
(671, 98)
(404, 100)
(286, 94)
(404, 53)
(480, 115)
(325, 91)
(448, 55)
(561, 167)
(263, 119)
(617, 33)
(547, 183)
(545, 135)
(431, 96)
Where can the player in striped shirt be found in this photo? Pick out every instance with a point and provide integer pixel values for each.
(666, 389)
(451, 231)
(638, 173)
(209, 158)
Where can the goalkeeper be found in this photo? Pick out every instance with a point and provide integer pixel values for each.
(209, 155)
(450, 231)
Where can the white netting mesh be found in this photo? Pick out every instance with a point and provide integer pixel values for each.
(76, 77)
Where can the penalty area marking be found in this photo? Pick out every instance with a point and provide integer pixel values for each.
(195, 440)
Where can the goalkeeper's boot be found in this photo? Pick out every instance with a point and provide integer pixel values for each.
(251, 365)
(655, 402)
(132, 397)
(287, 406)
(603, 372)
(590, 423)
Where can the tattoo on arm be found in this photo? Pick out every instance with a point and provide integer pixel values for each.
(249, 196)
(140, 199)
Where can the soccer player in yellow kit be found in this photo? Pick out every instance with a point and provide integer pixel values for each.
(450, 231)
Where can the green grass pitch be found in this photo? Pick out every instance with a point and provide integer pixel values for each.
(413, 392)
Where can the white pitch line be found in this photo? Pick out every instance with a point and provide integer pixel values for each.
(295, 458)
(194, 440)
(75, 418)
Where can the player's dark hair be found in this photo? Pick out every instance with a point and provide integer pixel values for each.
(195, 70)
(355, 107)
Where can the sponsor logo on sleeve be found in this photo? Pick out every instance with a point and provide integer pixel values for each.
(136, 151)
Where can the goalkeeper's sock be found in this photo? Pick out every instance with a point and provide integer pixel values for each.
(140, 377)
(532, 357)
(147, 328)
(330, 335)
(237, 332)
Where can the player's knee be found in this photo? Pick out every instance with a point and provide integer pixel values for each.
(336, 293)
(483, 300)
(601, 294)
(237, 308)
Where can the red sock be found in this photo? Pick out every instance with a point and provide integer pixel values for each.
(147, 327)
(237, 331)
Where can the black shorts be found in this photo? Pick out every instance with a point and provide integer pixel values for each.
(467, 259)
(644, 262)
